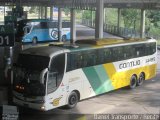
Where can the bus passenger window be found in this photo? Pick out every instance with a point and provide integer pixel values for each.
(74, 61)
(69, 62)
(115, 53)
(65, 24)
(89, 58)
(78, 61)
(120, 53)
(44, 25)
(107, 55)
(152, 48)
(56, 72)
(138, 53)
(129, 52)
(100, 56)
(140, 50)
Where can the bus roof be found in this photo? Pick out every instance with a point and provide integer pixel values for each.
(36, 20)
(110, 41)
(41, 20)
(42, 50)
(107, 42)
(49, 50)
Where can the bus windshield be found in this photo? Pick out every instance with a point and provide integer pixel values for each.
(33, 62)
(27, 29)
(28, 71)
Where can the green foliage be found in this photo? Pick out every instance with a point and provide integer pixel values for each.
(111, 16)
(131, 17)
(33, 10)
(154, 17)
(87, 14)
(153, 22)
(66, 11)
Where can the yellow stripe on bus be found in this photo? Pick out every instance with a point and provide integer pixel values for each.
(122, 79)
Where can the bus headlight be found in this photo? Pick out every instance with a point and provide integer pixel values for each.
(43, 108)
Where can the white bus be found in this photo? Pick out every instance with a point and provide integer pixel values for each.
(51, 76)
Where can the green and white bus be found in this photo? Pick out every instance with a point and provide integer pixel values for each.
(48, 77)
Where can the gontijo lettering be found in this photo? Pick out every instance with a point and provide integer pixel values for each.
(129, 64)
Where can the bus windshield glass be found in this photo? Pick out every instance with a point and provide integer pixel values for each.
(27, 29)
(28, 71)
(33, 62)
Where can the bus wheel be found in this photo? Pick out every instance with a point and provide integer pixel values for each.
(34, 40)
(72, 100)
(141, 79)
(133, 82)
(64, 38)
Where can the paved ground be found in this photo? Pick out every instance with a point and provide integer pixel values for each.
(84, 32)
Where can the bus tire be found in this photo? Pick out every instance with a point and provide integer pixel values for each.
(141, 79)
(64, 38)
(34, 40)
(133, 82)
(72, 100)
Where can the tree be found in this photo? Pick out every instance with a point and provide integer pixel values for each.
(87, 14)
(33, 9)
(154, 17)
(66, 11)
(130, 17)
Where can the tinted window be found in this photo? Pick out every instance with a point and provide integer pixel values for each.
(152, 48)
(117, 54)
(33, 62)
(44, 25)
(55, 73)
(140, 50)
(82, 59)
(58, 63)
(129, 51)
(106, 55)
(66, 25)
(53, 25)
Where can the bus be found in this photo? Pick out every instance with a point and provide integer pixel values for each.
(50, 76)
(41, 30)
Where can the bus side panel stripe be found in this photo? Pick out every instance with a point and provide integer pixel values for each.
(98, 79)
(111, 71)
(106, 84)
(93, 78)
